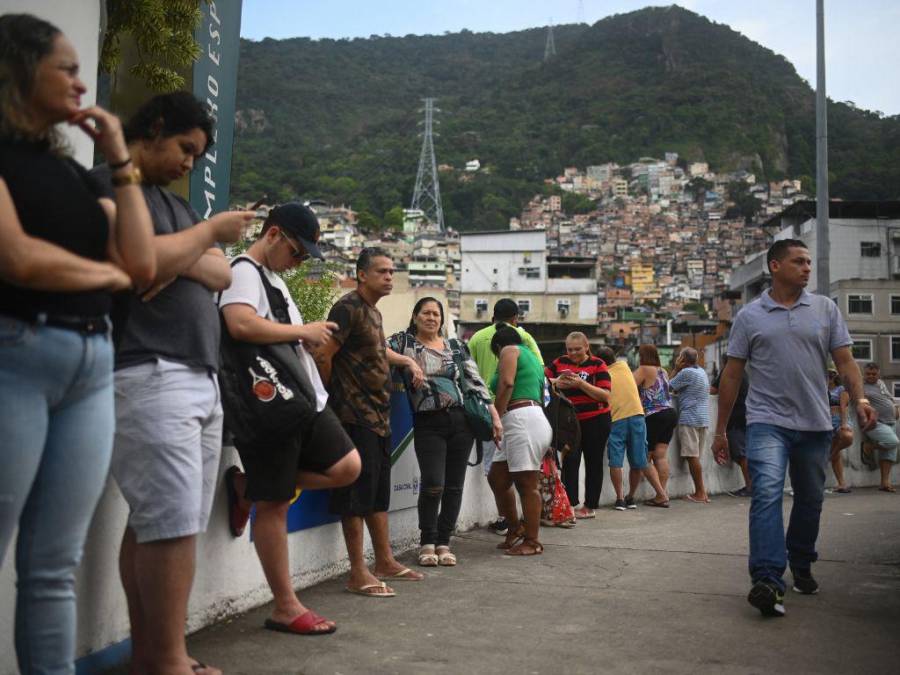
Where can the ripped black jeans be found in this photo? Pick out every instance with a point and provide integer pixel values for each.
(443, 443)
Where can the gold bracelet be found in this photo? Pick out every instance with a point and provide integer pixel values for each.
(862, 400)
(133, 177)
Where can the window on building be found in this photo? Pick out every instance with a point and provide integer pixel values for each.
(896, 389)
(895, 305)
(859, 303)
(870, 249)
(895, 347)
(530, 272)
(524, 306)
(862, 349)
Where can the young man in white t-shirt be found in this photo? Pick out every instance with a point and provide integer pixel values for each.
(323, 456)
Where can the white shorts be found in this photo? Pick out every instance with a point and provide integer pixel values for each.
(526, 437)
(167, 447)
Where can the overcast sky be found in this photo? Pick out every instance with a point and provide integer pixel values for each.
(862, 42)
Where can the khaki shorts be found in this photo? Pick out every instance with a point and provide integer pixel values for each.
(167, 447)
(691, 440)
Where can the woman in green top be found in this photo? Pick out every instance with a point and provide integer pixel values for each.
(519, 392)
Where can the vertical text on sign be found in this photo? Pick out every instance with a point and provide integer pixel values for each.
(215, 82)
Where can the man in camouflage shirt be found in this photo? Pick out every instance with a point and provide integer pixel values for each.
(356, 364)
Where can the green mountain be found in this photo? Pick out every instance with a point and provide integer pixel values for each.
(338, 119)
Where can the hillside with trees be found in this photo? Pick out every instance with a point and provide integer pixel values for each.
(338, 119)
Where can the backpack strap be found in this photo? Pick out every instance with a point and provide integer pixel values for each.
(278, 305)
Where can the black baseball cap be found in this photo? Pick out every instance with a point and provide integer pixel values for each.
(298, 220)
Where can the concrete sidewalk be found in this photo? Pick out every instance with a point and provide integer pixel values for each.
(644, 591)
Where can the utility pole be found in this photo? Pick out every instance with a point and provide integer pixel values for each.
(550, 47)
(427, 193)
(823, 247)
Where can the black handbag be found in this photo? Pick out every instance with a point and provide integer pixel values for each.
(563, 419)
(476, 408)
(266, 392)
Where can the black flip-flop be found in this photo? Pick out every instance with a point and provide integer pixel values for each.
(659, 505)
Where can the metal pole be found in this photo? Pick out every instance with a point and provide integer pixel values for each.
(823, 267)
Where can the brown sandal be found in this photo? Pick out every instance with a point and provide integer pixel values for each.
(512, 537)
(526, 547)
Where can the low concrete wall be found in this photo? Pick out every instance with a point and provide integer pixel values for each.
(229, 579)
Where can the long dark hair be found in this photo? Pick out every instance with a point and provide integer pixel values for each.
(505, 335)
(24, 41)
(411, 329)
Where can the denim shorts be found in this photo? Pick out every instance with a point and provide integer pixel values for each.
(628, 436)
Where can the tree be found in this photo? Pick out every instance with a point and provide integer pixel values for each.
(698, 187)
(367, 221)
(314, 287)
(393, 219)
(745, 204)
(575, 203)
(697, 308)
(163, 33)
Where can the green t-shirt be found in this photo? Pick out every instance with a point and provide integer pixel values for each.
(480, 348)
(529, 382)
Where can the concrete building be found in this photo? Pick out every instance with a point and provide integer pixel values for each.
(872, 310)
(555, 294)
(643, 281)
(864, 238)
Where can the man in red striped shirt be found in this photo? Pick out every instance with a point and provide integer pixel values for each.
(584, 380)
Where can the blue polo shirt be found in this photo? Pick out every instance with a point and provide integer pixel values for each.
(787, 351)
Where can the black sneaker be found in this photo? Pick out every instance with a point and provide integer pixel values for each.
(620, 505)
(767, 598)
(743, 492)
(499, 526)
(629, 503)
(804, 582)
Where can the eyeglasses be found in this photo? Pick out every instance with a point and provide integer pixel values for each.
(298, 253)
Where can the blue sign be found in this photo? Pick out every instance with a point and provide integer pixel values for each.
(311, 507)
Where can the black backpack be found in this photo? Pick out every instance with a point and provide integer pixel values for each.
(266, 392)
(563, 420)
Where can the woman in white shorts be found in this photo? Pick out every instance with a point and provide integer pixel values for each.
(518, 387)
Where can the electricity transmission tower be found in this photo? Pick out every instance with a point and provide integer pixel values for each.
(550, 47)
(427, 194)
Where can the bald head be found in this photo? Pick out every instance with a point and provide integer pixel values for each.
(690, 356)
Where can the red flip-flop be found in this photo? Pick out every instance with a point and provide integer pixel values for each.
(237, 514)
(302, 625)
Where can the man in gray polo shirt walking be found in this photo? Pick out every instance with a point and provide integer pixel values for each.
(786, 336)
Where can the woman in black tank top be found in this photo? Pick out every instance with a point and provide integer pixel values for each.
(62, 252)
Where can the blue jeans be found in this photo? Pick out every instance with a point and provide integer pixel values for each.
(771, 451)
(56, 426)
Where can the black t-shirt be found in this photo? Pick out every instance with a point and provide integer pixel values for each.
(738, 419)
(179, 324)
(56, 201)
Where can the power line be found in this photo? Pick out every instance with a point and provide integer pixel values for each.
(550, 47)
